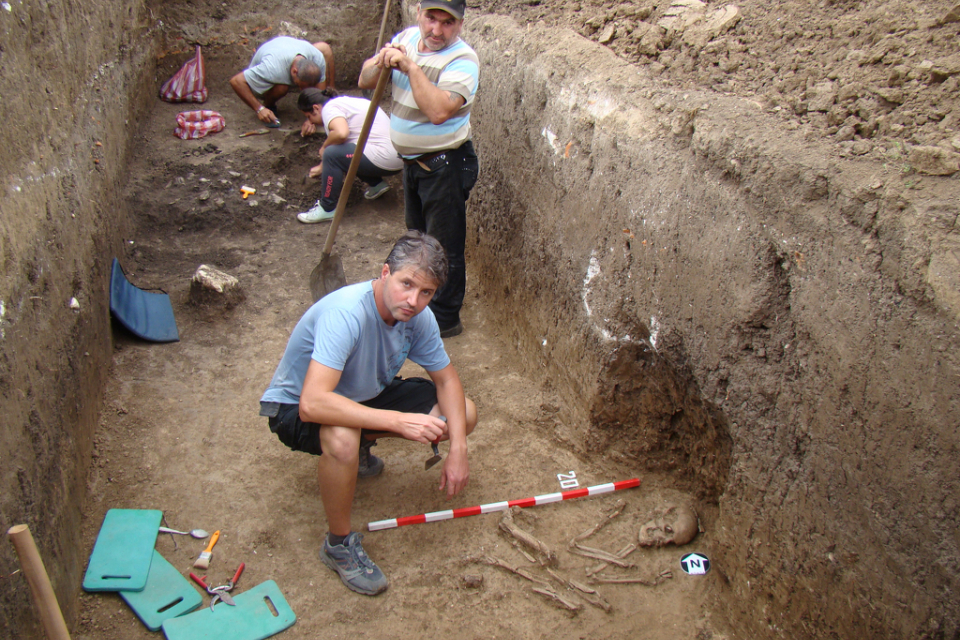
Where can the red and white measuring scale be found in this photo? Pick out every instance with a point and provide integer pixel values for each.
(436, 516)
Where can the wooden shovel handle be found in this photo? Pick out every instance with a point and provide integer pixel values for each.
(383, 26)
(361, 141)
(355, 162)
(43, 596)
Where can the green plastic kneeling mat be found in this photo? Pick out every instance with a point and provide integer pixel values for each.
(167, 595)
(122, 554)
(251, 619)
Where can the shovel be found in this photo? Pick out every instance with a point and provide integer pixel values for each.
(328, 275)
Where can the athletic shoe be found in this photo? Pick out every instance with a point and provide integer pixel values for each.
(370, 465)
(355, 567)
(450, 332)
(316, 214)
(376, 190)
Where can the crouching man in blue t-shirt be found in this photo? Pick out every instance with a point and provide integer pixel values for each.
(336, 390)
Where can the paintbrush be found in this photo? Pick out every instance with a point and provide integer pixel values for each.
(204, 560)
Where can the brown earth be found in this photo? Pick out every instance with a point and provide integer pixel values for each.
(873, 76)
(178, 430)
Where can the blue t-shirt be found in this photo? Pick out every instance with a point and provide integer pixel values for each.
(344, 331)
(270, 65)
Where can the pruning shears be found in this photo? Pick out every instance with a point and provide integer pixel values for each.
(220, 593)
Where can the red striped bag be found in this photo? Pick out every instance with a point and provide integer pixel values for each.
(196, 124)
(187, 84)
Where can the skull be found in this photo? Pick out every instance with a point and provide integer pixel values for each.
(674, 524)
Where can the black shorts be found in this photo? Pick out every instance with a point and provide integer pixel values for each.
(413, 395)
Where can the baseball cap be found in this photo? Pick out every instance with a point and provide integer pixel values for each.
(453, 7)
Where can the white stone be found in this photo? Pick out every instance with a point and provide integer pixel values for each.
(214, 279)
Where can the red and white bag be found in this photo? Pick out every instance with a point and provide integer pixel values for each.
(187, 84)
(196, 124)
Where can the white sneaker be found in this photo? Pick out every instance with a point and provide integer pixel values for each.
(316, 214)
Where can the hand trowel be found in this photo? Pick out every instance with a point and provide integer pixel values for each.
(436, 452)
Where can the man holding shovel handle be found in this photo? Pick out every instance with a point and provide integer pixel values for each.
(336, 391)
(435, 76)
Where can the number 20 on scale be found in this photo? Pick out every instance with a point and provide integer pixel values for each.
(568, 480)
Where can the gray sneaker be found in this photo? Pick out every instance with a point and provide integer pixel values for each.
(370, 465)
(355, 567)
(376, 190)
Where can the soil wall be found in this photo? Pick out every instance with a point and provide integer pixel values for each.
(712, 295)
(72, 77)
(75, 78)
(706, 293)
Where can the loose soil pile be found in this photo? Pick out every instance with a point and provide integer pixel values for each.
(874, 76)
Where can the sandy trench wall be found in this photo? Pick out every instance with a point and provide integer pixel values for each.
(714, 298)
(798, 316)
(71, 75)
(239, 28)
(75, 77)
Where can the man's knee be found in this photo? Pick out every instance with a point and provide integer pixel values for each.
(340, 443)
(471, 416)
(330, 75)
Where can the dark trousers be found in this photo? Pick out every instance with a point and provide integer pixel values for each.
(436, 203)
(336, 163)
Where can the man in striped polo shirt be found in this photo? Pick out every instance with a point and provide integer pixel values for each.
(435, 76)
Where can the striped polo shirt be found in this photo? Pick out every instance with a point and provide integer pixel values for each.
(455, 69)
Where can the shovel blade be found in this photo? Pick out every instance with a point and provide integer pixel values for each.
(327, 276)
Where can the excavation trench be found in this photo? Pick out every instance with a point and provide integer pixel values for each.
(661, 284)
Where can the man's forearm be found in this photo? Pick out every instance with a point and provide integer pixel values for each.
(438, 105)
(369, 74)
(452, 404)
(331, 408)
(242, 89)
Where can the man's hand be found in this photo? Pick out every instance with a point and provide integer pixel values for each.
(437, 104)
(419, 427)
(267, 116)
(307, 129)
(456, 473)
(316, 171)
(373, 67)
(393, 57)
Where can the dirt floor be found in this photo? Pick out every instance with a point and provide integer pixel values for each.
(180, 431)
